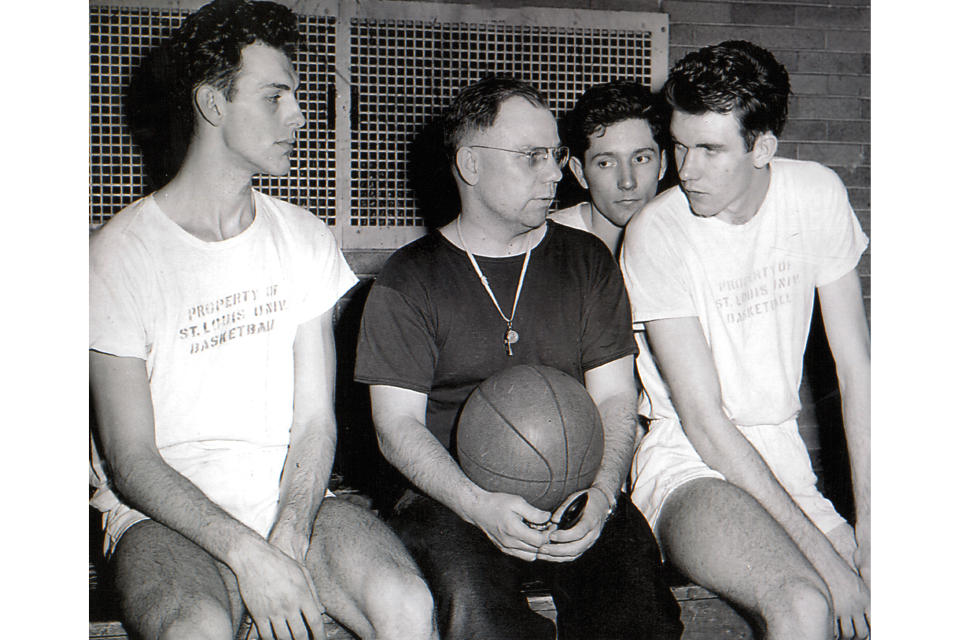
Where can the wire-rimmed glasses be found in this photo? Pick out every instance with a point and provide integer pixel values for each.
(538, 156)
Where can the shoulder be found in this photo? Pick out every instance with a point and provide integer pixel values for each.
(802, 174)
(565, 238)
(290, 215)
(665, 212)
(570, 217)
(121, 234)
(572, 253)
(423, 256)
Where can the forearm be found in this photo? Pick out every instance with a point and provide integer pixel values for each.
(619, 417)
(146, 483)
(420, 457)
(303, 483)
(855, 392)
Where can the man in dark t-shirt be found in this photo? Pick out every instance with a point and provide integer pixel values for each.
(499, 287)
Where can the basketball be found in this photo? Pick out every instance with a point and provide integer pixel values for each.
(532, 431)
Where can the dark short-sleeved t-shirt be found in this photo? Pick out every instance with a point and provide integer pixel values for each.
(429, 325)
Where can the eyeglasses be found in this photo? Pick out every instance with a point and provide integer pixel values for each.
(538, 156)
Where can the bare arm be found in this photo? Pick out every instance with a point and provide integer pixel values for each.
(846, 326)
(121, 396)
(687, 367)
(614, 391)
(273, 586)
(313, 437)
(400, 419)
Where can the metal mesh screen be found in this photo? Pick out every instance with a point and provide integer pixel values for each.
(121, 36)
(405, 71)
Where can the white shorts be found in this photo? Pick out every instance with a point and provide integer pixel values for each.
(665, 460)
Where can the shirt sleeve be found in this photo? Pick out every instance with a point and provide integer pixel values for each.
(396, 345)
(117, 325)
(654, 272)
(840, 240)
(330, 275)
(607, 333)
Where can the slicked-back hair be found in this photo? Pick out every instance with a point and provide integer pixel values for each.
(607, 104)
(733, 76)
(205, 49)
(476, 107)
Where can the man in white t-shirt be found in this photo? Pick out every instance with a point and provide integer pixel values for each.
(722, 272)
(617, 140)
(212, 365)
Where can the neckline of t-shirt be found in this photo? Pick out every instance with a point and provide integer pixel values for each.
(761, 210)
(213, 245)
(504, 260)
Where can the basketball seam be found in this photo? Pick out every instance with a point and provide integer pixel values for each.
(563, 424)
(507, 422)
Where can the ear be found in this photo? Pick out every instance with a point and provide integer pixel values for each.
(209, 103)
(764, 148)
(663, 164)
(576, 168)
(467, 166)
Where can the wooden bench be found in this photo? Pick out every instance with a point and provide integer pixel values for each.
(704, 615)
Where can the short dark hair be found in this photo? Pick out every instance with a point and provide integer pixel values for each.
(604, 105)
(206, 49)
(476, 107)
(733, 76)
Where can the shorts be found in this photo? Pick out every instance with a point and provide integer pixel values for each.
(666, 460)
(118, 517)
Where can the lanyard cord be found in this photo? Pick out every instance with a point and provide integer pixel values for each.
(486, 285)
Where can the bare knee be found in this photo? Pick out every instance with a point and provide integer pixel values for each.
(401, 607)
(201, 620)
(800, 609)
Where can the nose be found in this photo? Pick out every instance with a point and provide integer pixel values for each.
(554, 172)
(296, 117)
(626, 180)
(686, 168)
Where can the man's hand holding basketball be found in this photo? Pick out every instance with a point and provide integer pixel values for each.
(566, 545)
(504, 518)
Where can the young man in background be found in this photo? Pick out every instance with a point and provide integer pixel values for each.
(617, 141)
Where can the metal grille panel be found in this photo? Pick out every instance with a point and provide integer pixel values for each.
(405, 71)
(119, 38)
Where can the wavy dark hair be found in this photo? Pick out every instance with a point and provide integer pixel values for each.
(606, 104)
(206, 49)
(476, 107)
(733, 76)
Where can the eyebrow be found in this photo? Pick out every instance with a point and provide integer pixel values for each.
(637, 150)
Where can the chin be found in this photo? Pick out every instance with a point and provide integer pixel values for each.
(621, 219)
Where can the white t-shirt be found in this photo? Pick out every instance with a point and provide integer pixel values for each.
(752, 286)
(575, 216)
(215, 323)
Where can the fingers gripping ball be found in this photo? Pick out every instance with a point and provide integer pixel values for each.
(532, 431)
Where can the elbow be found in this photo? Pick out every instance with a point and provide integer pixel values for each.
(853, 373)
(709, 436)
(126, 473)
